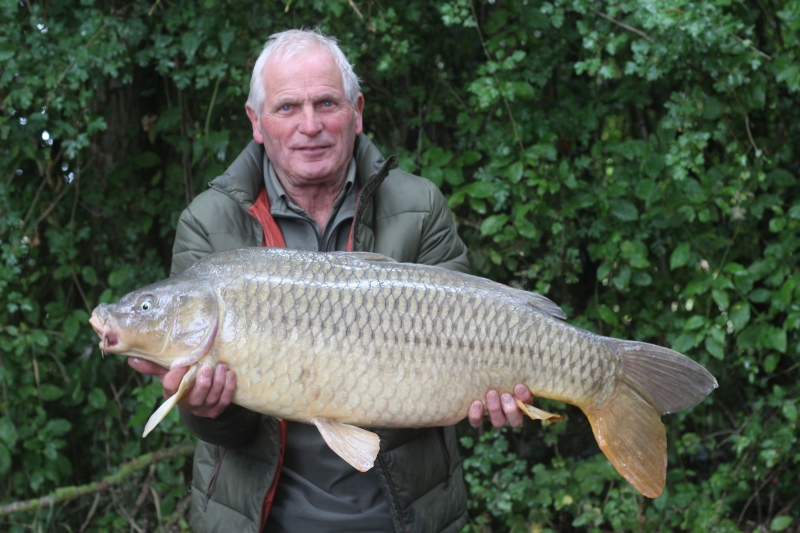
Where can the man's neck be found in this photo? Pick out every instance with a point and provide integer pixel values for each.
(317, 200)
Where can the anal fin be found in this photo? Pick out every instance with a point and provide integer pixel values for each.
(357, 446)
(166, 407)
(537, 414)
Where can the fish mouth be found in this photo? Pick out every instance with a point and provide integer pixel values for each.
(108, 337)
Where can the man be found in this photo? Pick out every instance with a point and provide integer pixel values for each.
(311, 180)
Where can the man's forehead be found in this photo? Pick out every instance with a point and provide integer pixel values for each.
(286, 60)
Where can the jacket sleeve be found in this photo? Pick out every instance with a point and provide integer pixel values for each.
(236, 425)
(441, 244)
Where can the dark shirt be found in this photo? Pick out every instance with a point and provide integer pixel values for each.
(318, 491)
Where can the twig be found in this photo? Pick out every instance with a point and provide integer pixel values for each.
(64, 72)
(764, 483)
(753, 48)
(746, 121)
(80, 290)
(622, 25)
(33, 203)
(211, 105)
(91, 513)
(450, 88)
(150, 13)
(496, 79)
(73, 492)
(180, 512)
(355, 8)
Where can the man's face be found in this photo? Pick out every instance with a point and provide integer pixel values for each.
(306, 125)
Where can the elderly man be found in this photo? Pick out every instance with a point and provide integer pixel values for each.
(311, 180)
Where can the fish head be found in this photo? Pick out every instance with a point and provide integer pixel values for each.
(172, 323)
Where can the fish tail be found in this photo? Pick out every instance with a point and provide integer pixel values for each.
(628, 428)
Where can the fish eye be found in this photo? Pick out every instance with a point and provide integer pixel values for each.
(146, 303)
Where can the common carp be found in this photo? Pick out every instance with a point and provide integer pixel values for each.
(352, 340)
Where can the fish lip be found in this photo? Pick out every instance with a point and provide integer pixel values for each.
(108, 337)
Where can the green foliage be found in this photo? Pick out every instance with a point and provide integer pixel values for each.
(633, 161)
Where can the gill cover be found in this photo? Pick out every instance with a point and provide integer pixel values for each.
(172, 322)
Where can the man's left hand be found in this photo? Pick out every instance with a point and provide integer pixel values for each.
(502, 408)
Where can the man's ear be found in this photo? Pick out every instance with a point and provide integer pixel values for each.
(256, 123)
(359, 109)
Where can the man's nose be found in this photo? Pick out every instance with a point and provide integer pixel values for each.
(311, 123)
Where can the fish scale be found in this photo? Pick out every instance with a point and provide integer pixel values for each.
(347, 340)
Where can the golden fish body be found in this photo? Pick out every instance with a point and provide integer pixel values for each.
(344, 340)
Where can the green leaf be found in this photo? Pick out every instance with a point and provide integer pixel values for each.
(50, 392)
(739, 315)
(695, 322)
(623, 210)
(714, 348)
(771, 362)
(721, 297)
(97, 399)
(58, 426)
(607, 315)
(760, 296)
(8, 432)
(777, 340)
(5, 460)
(117, 277)
(514, 172)
(680, 256)
(789, 410)
(7, 51)
(434, 174)
(493, 224)
(526, 228)
(779, 523)
(777, 224)
(89, 275)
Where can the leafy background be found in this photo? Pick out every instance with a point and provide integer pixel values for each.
(635, 161)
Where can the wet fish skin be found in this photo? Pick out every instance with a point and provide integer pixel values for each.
(359, 340)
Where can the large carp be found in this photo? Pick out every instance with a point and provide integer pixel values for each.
(343, 340)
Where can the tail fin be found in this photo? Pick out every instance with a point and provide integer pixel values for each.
(628, 428)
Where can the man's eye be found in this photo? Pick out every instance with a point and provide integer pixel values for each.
(327, 103)
(286, 107)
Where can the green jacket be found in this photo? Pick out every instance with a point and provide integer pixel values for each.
(399, 215)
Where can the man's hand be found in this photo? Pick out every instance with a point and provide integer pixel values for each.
(501, 407)
(211, 393)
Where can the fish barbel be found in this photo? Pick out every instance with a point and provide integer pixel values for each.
(343, 340)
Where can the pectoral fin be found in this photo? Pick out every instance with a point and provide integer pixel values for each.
(537, 414)
(166, 407)
(357, 446)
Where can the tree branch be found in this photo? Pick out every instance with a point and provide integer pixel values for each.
(622, 25)
(71, 493)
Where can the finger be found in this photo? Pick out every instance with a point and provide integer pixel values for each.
(172, 380)
(523, 393)
(496, 415)
(217, 384)
(146, 367)
(475, 414)
(202, 384)
(511, 410)
(225, 398)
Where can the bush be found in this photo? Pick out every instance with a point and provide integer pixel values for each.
(635, 162)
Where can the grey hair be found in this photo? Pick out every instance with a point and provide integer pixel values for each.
(290, 42)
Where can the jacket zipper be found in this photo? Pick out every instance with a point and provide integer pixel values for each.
(396, 499)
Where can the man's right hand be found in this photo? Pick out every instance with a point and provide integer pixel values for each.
(211, 393)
